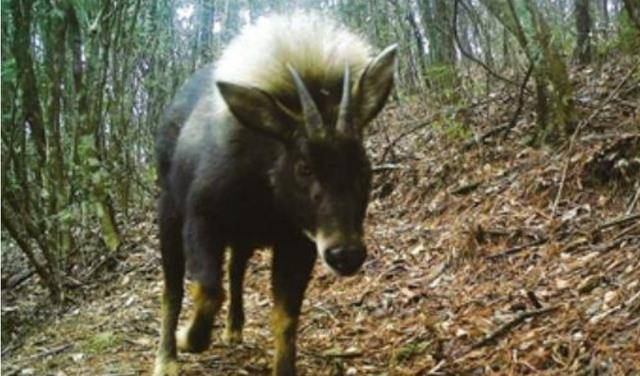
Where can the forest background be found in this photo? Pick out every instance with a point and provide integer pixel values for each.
(85, 83)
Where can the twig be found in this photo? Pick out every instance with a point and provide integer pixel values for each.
(634, 200)
(606, 136)
(53, 351)
(614, 243)
(7, 349)
(404, 134)
(514, 119)
(468, 55)
(466, 188)
(387, 167)
(97, 267)
(516, 249)
(343, 355)
(523, 87)
(437, 367)
(627, 230)
(17, 280)
(581, 125)
(617, 221)
(480, 139)
(534, 299)
(501, 331)
(334, 355)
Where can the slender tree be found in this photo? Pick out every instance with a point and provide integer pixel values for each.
(583, 31)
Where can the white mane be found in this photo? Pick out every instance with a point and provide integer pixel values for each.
(315, 45)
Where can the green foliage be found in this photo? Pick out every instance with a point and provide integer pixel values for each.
(628, 38)
(98, 72)
(9, 70)
(101, 342)
(457, 131)
(452, 128)
(408, 351)
(443, 81)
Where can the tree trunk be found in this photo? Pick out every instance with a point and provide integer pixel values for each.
(446, 52)
(582, 51)
(27, 81)
(90, 129)
(604, 4)
(553, 70)
(633, 10)
(44, 271)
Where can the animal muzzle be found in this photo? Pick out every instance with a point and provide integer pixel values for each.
(345, 260)
(343, 257)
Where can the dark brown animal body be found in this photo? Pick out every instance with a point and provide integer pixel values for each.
(281, 166)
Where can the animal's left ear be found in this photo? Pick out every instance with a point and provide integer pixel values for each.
(374, 85)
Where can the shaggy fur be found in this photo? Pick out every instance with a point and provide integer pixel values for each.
(313, 45)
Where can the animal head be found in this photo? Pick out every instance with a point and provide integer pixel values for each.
(323, 177)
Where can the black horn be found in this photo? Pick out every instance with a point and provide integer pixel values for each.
(312, 118)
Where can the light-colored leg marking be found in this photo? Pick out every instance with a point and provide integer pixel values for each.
(284, 330)
(205, 309)
(182, 341)
(165, 366)
(232, 337)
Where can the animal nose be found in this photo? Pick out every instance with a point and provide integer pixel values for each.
(345, 260)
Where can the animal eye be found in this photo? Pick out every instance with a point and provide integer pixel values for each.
(303, 170)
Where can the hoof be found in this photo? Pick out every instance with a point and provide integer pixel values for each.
(166, 367)
(191, 343)
(232, 337)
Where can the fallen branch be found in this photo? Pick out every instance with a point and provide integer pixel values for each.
(506, 327)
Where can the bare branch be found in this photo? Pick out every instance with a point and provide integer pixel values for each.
(468, 54)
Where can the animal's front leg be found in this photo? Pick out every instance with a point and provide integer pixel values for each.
(292, 266)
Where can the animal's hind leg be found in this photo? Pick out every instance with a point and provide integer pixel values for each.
(205, 255)
(236, 266)
(173, 269)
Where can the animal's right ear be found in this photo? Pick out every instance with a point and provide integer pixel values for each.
(257, 110)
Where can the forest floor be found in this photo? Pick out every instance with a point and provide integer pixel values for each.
(488, 257)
